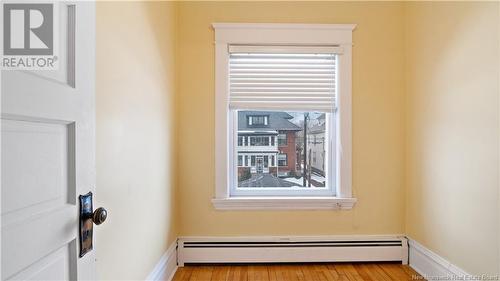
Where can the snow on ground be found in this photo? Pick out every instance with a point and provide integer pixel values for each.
(317, 178)
(300, 180)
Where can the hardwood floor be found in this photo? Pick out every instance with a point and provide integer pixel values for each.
(298, 272)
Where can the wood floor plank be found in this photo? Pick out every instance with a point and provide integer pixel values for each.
(282, 273)
(271, 270)
(183, 273)
(298, 272)
(258, 273)
(323, 273)
(311, 273)
(395, 272)
(337, 275)
(348, 271)
(201, 273)
(295, 272)
(238, 273)
(371, 271)
(410, 271)
(220, 273)
(365, 275)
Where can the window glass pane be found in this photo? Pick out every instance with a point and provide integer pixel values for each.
(257, 120)
(285, 149)
(282, 141)
(282, 160)
(259, 141)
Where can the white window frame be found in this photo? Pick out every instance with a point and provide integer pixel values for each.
(227, 34)
(286, 159)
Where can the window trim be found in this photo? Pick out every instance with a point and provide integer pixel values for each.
(282, 34)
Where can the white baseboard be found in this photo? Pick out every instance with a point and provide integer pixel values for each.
(165, 269)
(429, 264)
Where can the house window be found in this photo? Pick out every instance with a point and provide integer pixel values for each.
(240, 160)
(282, 160)
(297, 123)
(295, 92)
(240, 141)
(282, 141)
(258, 120)
(259, 141)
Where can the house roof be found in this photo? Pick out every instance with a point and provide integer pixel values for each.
(320, 128)
(278, 120)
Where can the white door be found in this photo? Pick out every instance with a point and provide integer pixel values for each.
(260, 165)
(47, 120)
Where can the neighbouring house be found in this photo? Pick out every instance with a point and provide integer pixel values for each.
(316, 145)
(266, 143)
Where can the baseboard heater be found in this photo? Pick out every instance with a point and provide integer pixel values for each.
(279, 249)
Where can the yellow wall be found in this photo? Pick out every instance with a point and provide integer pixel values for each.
(378, 141)
(425, 128)
(135, 136)
(452, 131)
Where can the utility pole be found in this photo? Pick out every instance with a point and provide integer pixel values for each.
(309, 170)
(306, 116)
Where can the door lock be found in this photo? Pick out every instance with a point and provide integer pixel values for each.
(88, 218)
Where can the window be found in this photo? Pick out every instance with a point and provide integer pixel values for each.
(282, 160)
(259, 141)
(240, 160)
(302, 100)
(240, 141)
(298, 93)
(282, 141)
(258, 121)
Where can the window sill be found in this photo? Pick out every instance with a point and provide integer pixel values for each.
(284, 203)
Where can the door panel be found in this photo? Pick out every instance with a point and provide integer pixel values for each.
(48, 157)
(38, 170)
(58, 265)
(67, 47)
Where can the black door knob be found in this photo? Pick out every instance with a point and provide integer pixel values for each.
(99, 216)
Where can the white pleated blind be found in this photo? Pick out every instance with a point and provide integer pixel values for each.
(301, 78)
